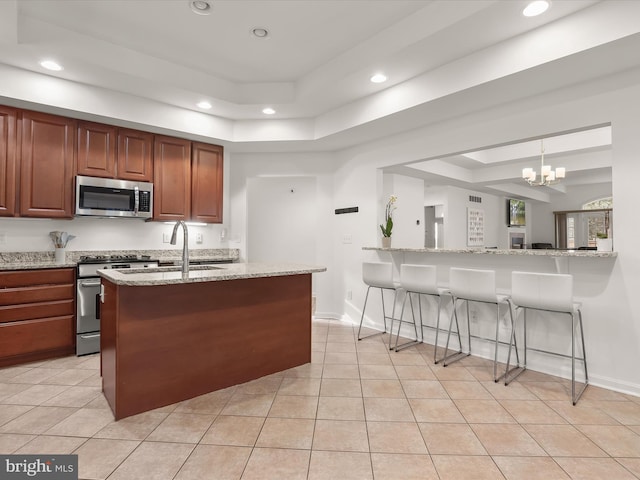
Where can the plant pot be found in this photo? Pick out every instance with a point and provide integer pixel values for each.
(604, 244)
(386, 242)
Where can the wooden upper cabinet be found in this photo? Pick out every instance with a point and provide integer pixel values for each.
(47, 164)
(206, 183)
(96, 150)
(135, 155)
(8, 161)
(172, 179)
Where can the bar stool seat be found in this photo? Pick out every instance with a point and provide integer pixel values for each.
(378, 275)
(549, 292)
(471, 285)
(419, 280)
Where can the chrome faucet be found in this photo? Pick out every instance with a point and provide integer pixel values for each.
(185, 246)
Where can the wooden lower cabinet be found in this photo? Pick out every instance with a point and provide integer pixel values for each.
(37, 315)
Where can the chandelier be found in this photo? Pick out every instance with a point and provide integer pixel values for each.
(547, 175)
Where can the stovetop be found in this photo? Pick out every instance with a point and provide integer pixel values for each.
(113, 258)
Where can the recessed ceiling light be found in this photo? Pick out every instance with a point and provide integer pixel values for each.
(378, 78)
(200, 7)
(260, 32)
(536, 8)
(268, 111)
(204, 104)
(51, 65)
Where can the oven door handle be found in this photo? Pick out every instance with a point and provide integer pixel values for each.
(89, 283)
(98, 306)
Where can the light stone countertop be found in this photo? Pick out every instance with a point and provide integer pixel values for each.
(45, 259)
(205, 273)
(494, 251)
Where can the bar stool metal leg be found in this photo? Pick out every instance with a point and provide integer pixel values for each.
(575, 397)
(384, 313)
(459, 354)
(435, 346)
(402, 346)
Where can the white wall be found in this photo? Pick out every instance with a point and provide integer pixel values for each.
(268, 171)
(456, 202)
(282, 216)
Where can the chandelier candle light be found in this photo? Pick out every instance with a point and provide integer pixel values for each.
(547, 176)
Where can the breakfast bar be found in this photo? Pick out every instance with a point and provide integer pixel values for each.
(591, 271)
(169, 336)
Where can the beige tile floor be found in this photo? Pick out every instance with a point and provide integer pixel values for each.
(357, 411)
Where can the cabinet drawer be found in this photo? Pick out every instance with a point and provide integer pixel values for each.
(13, 313)
(26, 278)
(42, 293)
(19, 338)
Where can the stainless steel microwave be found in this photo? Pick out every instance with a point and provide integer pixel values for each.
(107, 197)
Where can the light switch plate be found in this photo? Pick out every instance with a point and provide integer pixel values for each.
(347, 238)
(198, 237)
(3, 238)
(166, 238)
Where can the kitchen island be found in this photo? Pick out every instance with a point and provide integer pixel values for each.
(168, 337)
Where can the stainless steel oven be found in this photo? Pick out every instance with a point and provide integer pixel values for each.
(88, 296)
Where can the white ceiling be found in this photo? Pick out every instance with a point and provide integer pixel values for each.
(314, 66)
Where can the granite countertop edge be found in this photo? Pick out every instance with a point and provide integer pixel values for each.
(494, 251)
(45, 259)
(172, 276)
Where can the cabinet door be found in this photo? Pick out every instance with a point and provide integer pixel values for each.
(47, 163)
(172, 179)
(7, 161)
(96, 150)
(206, 183)
(135, 155)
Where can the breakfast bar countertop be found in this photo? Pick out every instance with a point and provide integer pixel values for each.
(495, 251)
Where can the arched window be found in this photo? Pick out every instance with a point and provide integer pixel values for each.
(606, 202)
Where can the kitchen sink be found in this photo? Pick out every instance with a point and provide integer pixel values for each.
(169, 269)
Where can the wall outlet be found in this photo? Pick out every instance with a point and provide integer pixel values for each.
(198, 237)
(3, 238)
(347, 238)
(166, 237)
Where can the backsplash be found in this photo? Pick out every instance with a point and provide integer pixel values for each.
(74, 256)
(32, 235)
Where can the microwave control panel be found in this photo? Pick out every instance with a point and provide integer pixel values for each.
(145, 201)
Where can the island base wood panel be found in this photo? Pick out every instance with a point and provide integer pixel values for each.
(164, 344)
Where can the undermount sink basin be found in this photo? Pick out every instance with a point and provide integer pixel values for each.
(169, 269)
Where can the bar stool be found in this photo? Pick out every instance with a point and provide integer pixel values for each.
(471, 285)
(378, 275)
(549, 292)
(419, 280)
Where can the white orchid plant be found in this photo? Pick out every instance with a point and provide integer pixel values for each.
(388, 217)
